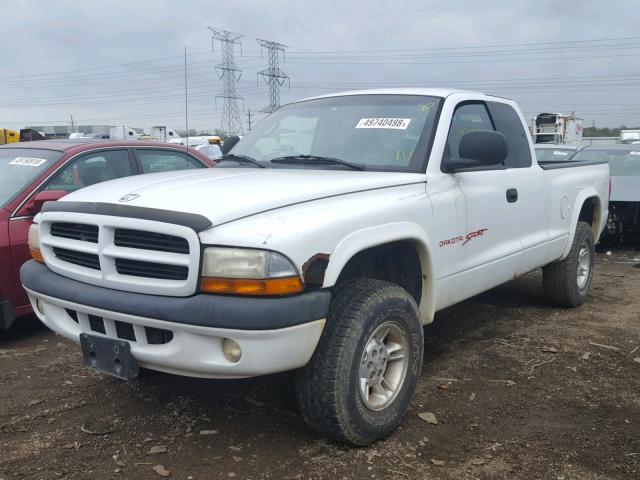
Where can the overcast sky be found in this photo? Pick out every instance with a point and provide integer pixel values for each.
(121, 62)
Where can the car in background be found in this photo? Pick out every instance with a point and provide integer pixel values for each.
(40, 171)
(624, 206)
(210, 150)
(549, 153)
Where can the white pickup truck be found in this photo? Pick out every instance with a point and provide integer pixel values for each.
(322, 243)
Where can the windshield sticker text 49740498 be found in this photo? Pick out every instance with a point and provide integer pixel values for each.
(394, 123)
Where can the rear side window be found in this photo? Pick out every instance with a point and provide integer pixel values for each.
(153, 161)
(468, 117)
(509, 124)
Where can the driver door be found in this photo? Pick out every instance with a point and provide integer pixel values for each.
(491, 240)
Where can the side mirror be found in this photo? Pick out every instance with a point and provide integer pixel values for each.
(34, 205)
(229, 143)
(481, 148)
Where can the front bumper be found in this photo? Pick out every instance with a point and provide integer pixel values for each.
(181, 335)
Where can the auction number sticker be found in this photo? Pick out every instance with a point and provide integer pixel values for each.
(395, 123)
(28, 161)
(560, 153)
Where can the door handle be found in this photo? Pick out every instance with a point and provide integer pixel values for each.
(512, 195)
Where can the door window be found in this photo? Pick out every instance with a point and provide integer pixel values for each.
(90, 169)
(468, 117)
(153, 161)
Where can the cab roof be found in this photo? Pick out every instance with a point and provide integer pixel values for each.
(431, 92)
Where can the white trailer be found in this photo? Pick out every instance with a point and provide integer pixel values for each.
(629, 136)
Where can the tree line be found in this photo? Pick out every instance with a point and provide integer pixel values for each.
(605, 131)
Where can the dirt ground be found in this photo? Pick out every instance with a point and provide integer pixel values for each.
(520, 390)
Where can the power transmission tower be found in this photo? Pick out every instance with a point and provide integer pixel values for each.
(249, 115)
(274, 76)
(229, 73)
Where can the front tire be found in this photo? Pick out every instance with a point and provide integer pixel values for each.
(567, 282)
(361, 378)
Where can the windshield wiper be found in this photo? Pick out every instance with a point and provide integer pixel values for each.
(310, 159)
(240, 158)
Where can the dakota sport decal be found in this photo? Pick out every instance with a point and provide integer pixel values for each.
(464, 240)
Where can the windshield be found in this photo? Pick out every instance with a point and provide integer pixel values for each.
(19, 167)
(377, 132)
(622, 162)
(554, 154)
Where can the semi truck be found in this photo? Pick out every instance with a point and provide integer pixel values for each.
(123, 133)
(557, 128)
(161, 133)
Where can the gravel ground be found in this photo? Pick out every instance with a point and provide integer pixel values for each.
(520, 390)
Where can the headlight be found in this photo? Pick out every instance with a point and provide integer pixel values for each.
(34, 243)
(246, 271)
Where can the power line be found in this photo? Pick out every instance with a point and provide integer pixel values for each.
(456, 62)
(142, 63)
(126, 94)
(462, 54)
(102, 67)
(502, 45)
(229, 73)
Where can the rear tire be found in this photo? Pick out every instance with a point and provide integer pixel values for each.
(567, 282)
(360, 380)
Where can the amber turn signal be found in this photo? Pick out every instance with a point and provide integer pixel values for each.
(241, 286)
(36, 254)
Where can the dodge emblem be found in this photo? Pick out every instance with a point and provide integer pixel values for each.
(128, 197)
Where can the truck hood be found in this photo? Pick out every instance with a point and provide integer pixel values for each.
(226, 194)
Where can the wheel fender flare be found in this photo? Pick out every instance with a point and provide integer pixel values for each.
(377, 235)
(579, 203)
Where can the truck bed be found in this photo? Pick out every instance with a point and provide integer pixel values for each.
(551, 165)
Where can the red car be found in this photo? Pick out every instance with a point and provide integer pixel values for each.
(35, 172)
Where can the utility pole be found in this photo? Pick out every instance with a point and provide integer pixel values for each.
(249, 118)
(273, 76)
(186, 103)
(229, 73)
(72, 126)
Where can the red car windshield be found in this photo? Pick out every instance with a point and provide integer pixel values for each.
(19, 167)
